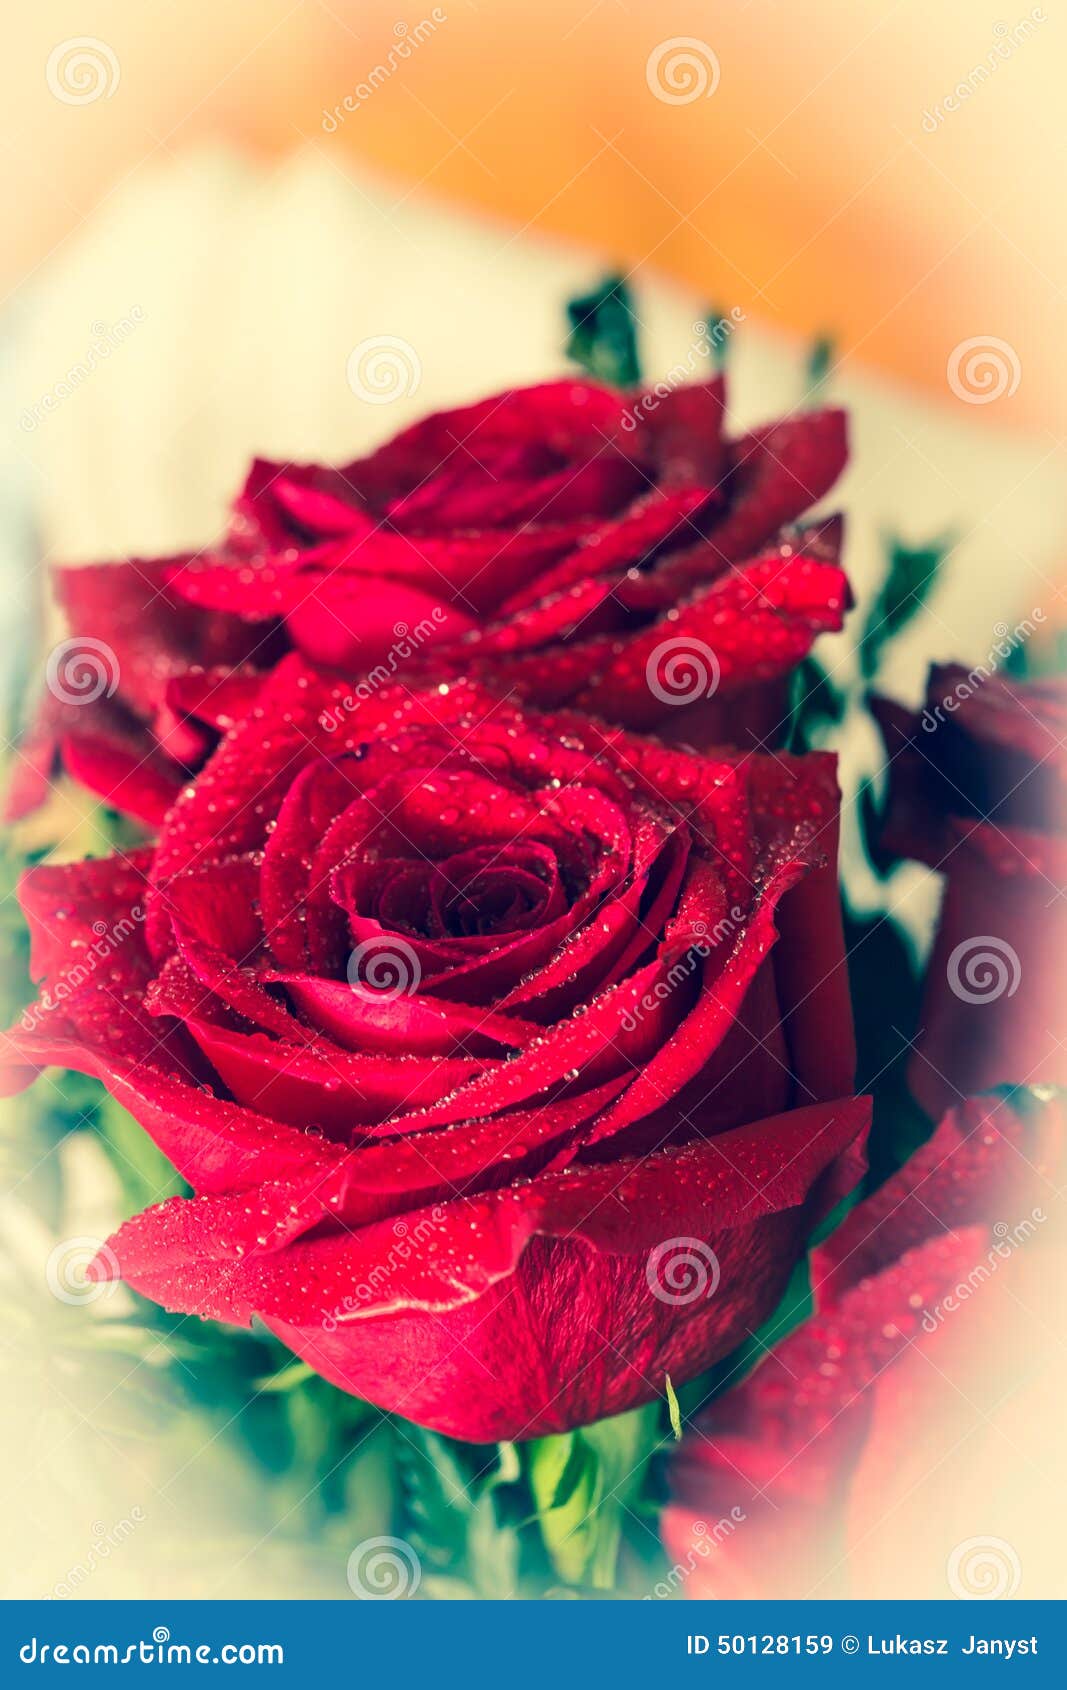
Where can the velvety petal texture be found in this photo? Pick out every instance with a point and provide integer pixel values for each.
(463, 1022)
(564, 544)
(978, 790)
(790, 1484)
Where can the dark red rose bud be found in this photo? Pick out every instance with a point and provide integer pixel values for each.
(564, 544)
(978, 790)
(509, 1057)
(823, 1473)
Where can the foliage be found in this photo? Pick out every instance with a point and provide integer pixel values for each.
(603, 333)
(909, 579)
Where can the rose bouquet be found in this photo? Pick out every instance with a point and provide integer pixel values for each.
(470, 956)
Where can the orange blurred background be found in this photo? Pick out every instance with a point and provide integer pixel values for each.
(820, 182)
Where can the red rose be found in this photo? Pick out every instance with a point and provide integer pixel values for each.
(467, 1030)
(104, 715)
(978, 789)
(830, 1471)
(566, 544)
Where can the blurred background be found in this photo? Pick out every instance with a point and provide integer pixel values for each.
(217, 214)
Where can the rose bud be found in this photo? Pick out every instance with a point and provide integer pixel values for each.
(566, 544)
(510, 1059)
(978, 790)
(850, 1462)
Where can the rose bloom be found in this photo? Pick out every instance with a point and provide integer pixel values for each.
(978, 790)
(510, 1058)
(862, 1456)
(567, 544)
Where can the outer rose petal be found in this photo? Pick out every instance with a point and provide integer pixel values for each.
(554, 1320)
(778, 1455)
(101, 745)
(153, 635)
(130, 748)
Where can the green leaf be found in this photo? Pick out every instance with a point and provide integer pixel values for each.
(576, 1468)
(457, 1508)
(603, 334)
(816, 704)
(287, 1378)
(673, 1409)
(819, 364)
(720, 329)
(1030, 1101)
(910, 576)
(599, 1471)
(563, 1472)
